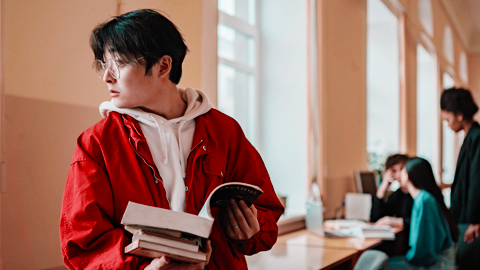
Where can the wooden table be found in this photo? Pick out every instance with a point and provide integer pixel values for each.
(291, 257)
(306, 238)
(305, 250)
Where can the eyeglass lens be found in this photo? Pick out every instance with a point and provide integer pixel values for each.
(110, 65)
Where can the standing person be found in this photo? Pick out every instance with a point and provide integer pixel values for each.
(458, 108)
(162, 146)
(432, 227)
(396, 209)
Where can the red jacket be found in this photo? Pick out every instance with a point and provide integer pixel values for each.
(112, 165)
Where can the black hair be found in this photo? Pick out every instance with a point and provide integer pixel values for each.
(458, 101)
(142, 33)
(395, 159)
(421, 176)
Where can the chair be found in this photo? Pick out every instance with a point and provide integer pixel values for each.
(372, 260)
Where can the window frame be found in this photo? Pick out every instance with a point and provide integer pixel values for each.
(253, 31)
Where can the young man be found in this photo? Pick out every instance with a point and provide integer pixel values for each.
(162, 146)
(397, 208)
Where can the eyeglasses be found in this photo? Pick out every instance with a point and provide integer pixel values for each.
(113, 66)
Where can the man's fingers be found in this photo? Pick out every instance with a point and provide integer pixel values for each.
(239, 216)
(233, 228)
(231, 216)
(250, 217)
(209, 251)
(158, 263)
(254, 210)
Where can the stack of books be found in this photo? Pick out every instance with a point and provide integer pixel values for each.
(180, 236)
(155, 245)
(357, 228)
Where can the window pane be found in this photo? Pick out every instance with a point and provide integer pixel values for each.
(448, 159)
(284, 118)
(236, 46)
(383, 83)
(426, 100)
(241, 9)
(448, 154)
(236, 91)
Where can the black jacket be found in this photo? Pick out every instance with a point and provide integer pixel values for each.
(398, 204)
(465, 200)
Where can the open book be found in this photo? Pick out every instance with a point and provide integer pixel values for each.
(178, 235)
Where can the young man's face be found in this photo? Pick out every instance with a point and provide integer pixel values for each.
(133, 88)
(396, 171)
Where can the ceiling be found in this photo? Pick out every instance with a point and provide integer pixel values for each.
(474, 7)
(465, 15)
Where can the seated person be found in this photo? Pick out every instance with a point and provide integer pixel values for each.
(162, 146)
(432, 227)
(396, 209)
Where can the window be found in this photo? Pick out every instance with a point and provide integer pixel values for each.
(448, 156)
(427, 108)
(284, 84)
(425, 16)
(448, 160)
(237, 63)
(448, 51)
(383, 83)
(463, 70)
(268, 100)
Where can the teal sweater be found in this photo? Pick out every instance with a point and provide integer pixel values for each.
(429, 231)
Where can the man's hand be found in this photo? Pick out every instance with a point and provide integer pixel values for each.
(471, 233)
(386, 181)
(391, 221)
(164, 263)
(242, 222)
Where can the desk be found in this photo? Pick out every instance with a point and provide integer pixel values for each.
(306, 238)
(300, 258)
(305, 250)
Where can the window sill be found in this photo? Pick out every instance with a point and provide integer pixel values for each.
(291, 224)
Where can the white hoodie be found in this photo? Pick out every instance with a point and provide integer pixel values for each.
(170, 141)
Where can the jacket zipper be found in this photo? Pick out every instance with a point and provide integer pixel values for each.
(195, 147)
(153, 169)
(191, 153)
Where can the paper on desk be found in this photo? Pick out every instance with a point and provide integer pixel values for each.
(357, 228)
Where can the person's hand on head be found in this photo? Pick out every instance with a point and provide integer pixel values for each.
(241, 221)
(164, 263)
(386, 181)
(471, 233)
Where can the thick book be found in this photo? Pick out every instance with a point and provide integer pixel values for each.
(181, 226)
(166, 240)
(152, 250)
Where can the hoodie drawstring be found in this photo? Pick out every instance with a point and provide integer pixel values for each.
(163, 139)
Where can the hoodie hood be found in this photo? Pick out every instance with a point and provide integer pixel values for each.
(197, 104)
(169, 141)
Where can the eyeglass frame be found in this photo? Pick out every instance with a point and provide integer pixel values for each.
(105, 67)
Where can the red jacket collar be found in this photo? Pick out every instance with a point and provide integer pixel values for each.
(203, 135)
